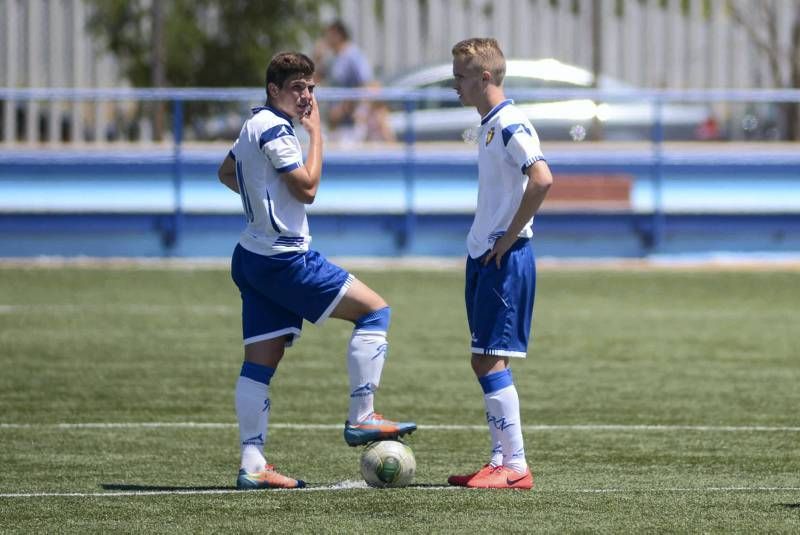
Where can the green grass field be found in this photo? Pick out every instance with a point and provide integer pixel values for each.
(654, 400)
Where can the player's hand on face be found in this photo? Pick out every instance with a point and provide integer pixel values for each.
(311, 119)
(501, 247)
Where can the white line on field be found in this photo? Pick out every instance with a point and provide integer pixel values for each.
(425, 427)
(349, 485)
(116, 307)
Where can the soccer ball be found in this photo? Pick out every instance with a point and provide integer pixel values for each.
(388, 463)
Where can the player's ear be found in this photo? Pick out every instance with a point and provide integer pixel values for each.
(272, 89)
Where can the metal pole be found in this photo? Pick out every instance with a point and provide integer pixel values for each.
(658, 177)
(409, 223)
(597, 62)
(172, 235)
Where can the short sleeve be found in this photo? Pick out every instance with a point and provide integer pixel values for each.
(522, 144)
(280, 145)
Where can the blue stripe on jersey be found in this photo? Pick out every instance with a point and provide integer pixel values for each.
(532, 160)
(293, 243)
(510, 130)
(496, 109)
(269, 210)
(248, 209)
(274, 133)
(290, 167)
(290, 239)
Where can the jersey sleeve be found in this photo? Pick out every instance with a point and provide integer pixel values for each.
(522, 144)
(281, 147)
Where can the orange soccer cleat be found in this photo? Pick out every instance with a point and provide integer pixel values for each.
(375, 427)
(461, 481)
(267, 478)
(502, 477)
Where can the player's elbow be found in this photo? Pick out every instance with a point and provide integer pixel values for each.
(224, 175)
(307, 198)
(305, 195)
(542, 179)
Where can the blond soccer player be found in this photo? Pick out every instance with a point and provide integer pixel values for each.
(501, 271)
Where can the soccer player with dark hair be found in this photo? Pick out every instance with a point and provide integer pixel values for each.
(282, 281)
(513, 180)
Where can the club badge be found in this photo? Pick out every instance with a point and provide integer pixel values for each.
(489, 136)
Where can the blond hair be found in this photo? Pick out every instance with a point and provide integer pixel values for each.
(483, 53)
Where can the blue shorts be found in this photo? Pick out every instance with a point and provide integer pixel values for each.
(500, 301)
(279, 292)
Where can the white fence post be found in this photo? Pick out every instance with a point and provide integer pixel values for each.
(55, 70)
(75, 31)
(612, 47)
(33, 58)
(11, 47)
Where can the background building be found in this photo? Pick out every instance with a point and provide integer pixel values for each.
(647, 43)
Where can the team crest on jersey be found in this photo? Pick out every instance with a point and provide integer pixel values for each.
(489, 136)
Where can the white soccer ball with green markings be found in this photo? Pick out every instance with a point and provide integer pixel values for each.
(388, 463)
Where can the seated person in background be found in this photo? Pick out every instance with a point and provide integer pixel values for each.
(372, 120)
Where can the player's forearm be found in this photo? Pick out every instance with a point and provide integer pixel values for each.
(539, 181)
(306, 191)
(227, 175)
(313, 161)
(304, 182)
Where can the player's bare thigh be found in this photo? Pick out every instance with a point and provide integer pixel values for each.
(359, 300)
(266, 352)
(486, 364)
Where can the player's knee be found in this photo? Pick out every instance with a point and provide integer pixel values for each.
(377, 320)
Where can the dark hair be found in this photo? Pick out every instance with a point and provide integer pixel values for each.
(286, 65)
(339, 27)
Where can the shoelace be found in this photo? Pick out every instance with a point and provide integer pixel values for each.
(378, 416)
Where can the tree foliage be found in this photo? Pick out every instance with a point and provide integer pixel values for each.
(761, 21)
(205, 43)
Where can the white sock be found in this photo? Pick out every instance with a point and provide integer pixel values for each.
(252, 410)
(502, 414)
(365, 357)
(496, 457)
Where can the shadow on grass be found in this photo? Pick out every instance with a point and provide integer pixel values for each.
(122, 487)
(158, 488)
(789, 505)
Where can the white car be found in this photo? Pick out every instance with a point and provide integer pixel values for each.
(441, 117)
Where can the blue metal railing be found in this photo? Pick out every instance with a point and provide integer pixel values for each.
(655, 163)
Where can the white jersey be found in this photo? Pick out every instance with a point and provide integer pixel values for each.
(266, 147)
(507, 146)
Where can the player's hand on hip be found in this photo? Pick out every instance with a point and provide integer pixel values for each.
(501, 247)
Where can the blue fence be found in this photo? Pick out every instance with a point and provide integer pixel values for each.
(648, 222)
